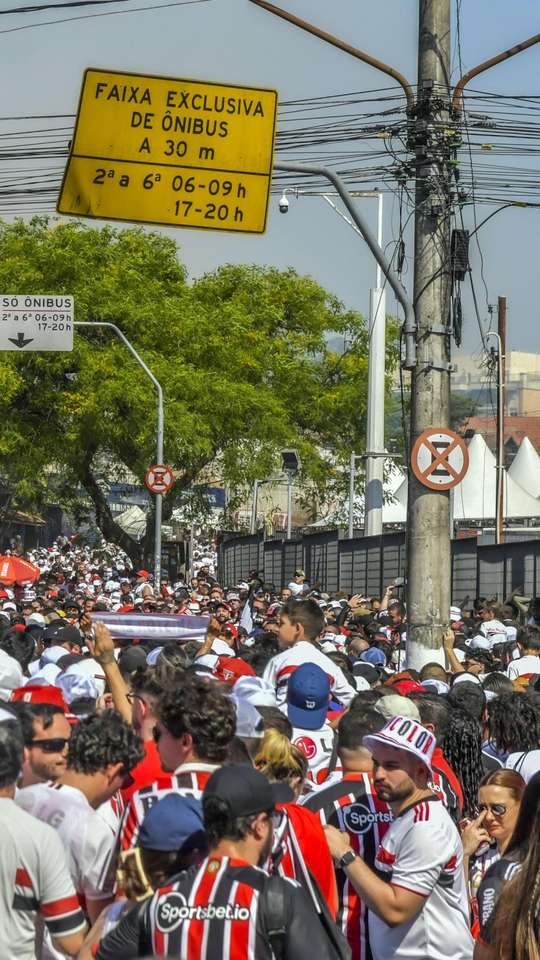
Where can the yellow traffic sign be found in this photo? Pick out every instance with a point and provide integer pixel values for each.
(171, 152)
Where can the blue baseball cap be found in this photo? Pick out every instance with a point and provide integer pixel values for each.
(308, 697)
(374, 656)
(174, 823)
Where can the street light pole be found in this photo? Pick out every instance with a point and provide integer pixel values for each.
(352, 478)
(159, 433)
(289, 504)
(254, 499)
(376, 395)
(499, 495)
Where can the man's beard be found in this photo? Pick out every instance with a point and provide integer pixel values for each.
(395, 795)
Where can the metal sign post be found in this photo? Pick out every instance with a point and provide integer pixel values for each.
(159, 434)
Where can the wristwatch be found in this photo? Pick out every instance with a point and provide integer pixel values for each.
(347, 858)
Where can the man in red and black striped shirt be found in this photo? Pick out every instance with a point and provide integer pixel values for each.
(352, 805)
(196, 724)
(228, 908)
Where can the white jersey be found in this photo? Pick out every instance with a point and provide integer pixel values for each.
(523, 666)
(318, 748)
(88, 841)
(280, 667)
(34, 884)
(495, 631)
(422, 852)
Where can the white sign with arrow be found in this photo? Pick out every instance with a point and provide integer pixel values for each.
(43, 322)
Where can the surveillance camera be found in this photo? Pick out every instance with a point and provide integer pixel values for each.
(283, 204)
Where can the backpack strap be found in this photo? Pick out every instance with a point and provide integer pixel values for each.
(334, 755)
(276, 915)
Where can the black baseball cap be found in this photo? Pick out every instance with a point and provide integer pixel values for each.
(245, 790)
(61, 632)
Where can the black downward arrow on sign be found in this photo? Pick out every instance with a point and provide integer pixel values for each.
(19, 340)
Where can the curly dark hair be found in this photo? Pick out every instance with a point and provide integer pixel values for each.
(514, 722)
(462, 749)
(102, 739)
(11, 753)
(202, 711)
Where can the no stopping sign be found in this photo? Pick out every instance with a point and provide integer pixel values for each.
(440, 459)
(159, 478)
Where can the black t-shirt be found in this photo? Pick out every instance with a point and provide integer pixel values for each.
(490, 890)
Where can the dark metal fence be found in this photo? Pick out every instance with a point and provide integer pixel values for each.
(366, 565)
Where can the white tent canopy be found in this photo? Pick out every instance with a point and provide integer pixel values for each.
(474, 497)
(525, 468)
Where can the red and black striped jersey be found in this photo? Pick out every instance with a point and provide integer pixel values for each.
(446, 786)
(352, 805)
(188, 781)
(220, 911)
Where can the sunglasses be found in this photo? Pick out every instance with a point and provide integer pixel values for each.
(54, 745)
(497, 809)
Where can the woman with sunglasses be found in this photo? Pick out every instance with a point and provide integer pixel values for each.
(509, 893)
(486, 839)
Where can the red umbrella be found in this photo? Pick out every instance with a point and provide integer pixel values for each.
(16, 570)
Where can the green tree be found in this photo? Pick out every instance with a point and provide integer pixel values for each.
(241, 353)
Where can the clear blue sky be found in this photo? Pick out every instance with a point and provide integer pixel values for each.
(232, 41)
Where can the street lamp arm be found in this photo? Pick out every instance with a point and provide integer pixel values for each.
(409, 325)
(342, 45)
(457, 99)
(121, 336)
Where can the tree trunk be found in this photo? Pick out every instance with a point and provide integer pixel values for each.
(110, 529)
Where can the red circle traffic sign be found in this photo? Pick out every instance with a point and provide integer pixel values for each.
(159, 478)
(440, 458)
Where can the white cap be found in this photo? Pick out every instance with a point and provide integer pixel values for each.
(89, 668)
(466, 677)
(11, 675)
(394, 705)
(52, 655)
(221, 648)
(402, 733)
(479, 643)
(74, 686)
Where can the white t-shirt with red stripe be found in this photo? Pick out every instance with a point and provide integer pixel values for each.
(422, 852)
(280, 667)
(34, 884)
(88, 841)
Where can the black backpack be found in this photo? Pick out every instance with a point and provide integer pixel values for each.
(276, 918)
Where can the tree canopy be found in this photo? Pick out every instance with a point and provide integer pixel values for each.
(241, 353)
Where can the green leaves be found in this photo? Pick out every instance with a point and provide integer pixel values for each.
(241, 353)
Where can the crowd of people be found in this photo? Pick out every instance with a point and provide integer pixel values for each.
(279, 784)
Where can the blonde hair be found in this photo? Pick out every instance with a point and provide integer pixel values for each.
(279, 759)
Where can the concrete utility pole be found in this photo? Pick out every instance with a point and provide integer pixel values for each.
(428, 544)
